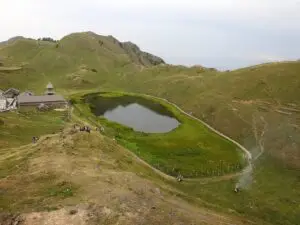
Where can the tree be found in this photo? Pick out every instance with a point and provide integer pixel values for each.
(47, 39)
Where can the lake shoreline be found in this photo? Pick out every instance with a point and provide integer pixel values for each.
(192, 149)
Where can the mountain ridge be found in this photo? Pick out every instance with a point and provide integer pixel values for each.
(257, 106)
(135, 53)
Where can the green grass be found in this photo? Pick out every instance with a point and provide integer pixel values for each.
(191, 149)
(272, 195)
(62, 190)
(229, 101)
(79, 62)
(38, 192)
(22, 189)
(18, 128)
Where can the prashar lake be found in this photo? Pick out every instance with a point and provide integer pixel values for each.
(140, 114)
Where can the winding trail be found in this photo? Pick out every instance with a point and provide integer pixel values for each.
(158, 172)
(246, 152)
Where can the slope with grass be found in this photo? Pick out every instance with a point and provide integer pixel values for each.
(79, 60)
(257, 106)
(18, 128)
(85, 178)
(240, 103)
(202, 153)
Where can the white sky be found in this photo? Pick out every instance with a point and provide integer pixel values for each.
(215, 33)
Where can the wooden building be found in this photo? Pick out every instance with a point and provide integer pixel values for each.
(50, 99)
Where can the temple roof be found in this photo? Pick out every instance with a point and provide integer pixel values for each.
(49, 86)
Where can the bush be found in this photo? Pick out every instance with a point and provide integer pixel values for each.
(73, 101)
(94, 70)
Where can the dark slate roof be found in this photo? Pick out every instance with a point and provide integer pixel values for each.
(41, 99)
(14, 90)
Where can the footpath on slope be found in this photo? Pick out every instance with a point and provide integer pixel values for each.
(160, 173)
(219, 178)
(246, 152)
(14, 151)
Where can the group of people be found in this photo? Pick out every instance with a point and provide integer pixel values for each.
(82, 128)
(85, 128)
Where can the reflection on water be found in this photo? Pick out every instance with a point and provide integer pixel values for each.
(140, 114)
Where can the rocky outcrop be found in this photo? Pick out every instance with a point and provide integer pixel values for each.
(87, 40)
(139, 56)
(135, 53)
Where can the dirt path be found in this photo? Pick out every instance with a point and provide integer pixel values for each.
(202, 180)
(246, 152)
(160, 173)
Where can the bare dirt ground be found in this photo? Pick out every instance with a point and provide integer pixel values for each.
(112, 187)
(93, 214)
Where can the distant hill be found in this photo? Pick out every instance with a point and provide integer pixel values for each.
(11, 40)
(258, 106)
(138, 56)
(239, 102)
(78, 60)
(227, 100)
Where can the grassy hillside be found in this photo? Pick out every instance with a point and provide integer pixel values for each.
(244, 104)
(73, 177)
(18, 128)
(258, 106)
(80, 60)
(203, 153)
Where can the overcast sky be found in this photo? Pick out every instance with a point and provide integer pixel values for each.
(225, 34)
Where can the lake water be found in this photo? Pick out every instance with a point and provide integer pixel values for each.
(138, 113)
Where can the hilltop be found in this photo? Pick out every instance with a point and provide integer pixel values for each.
(257, 106)
(78, 60)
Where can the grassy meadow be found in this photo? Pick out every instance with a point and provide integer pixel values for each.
(270, 193)
(257, 106)
(18, 128)
(191, 149)
(80, 172)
